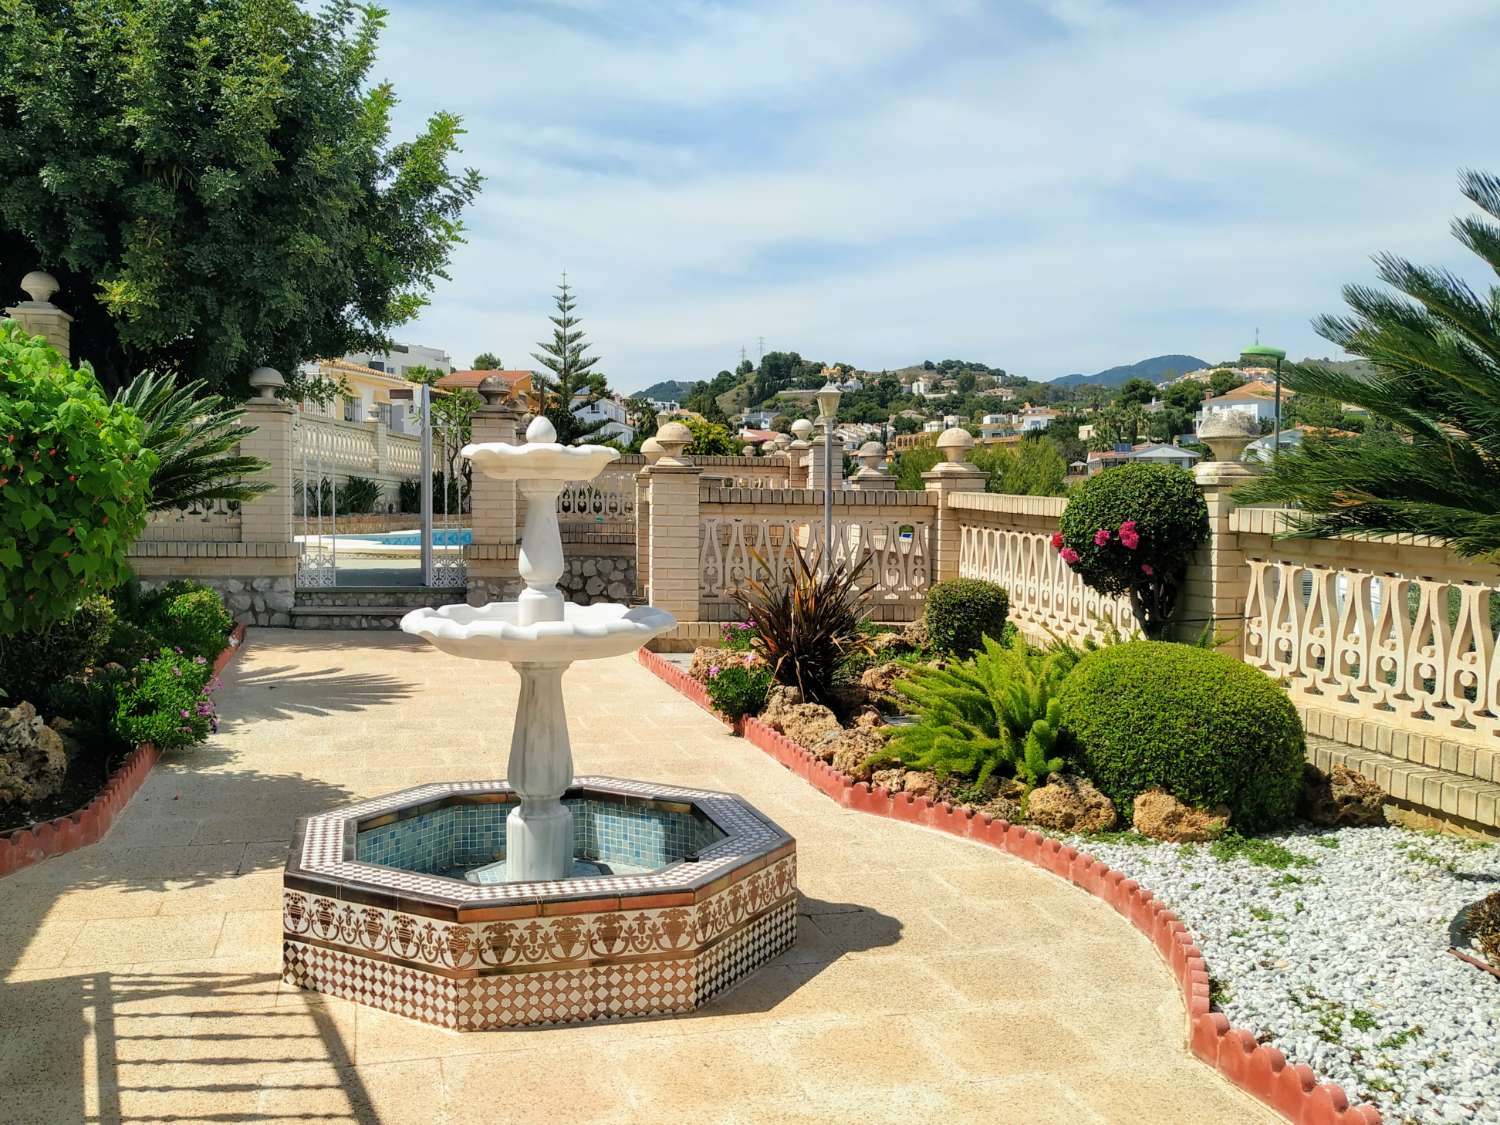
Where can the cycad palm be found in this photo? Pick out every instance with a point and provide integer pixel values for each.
(194, 439)
(1436, 382)
(995, 711)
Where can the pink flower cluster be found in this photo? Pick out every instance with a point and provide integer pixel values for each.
(1129, 537)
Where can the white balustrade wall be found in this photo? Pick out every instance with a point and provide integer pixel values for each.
(749, 533)
(1403, 632)
(1007, 540)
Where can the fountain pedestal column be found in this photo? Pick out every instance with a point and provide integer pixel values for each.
(539, 831)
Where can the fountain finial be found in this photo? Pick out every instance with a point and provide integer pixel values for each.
(541, 431)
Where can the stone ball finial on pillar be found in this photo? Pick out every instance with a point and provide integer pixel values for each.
(954, 444)
(651, 450)
(493, 390)
(1227, 433)
(40, 286)
(801, 430)
(870, 455)
(673, 438)
(266, 381)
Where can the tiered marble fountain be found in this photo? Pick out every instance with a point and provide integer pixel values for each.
(543, 898)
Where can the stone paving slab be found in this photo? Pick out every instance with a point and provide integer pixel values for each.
(932, 980)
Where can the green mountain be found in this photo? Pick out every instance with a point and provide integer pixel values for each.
(1157, 369)
(669, 390)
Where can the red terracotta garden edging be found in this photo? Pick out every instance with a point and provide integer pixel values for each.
(26, 846)
(1262, 1071)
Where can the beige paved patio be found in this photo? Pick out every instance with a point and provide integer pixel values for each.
(932, 979)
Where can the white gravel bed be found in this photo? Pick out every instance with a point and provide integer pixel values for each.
(1342, 963)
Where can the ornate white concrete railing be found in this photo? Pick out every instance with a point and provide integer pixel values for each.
(1007, 540)
(1398, 631)
(214, 521)
(608, 501)
(892, 530)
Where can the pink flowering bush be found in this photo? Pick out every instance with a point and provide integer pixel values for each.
(170, 704)
(1131, 530)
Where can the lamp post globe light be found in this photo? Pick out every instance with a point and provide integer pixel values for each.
(1263, 352)
(828, 407)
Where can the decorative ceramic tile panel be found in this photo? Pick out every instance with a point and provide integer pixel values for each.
(667, 941)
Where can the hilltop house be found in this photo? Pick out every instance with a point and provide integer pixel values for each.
(403, 358)
(1257, 398)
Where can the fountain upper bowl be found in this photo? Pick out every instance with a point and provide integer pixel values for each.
(490, 632)
(539, 460)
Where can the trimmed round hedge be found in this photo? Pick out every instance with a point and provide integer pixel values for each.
(1205, 727)
(961, 612)
(1130, 530)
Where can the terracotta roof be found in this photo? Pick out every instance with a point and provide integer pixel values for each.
(471, 379)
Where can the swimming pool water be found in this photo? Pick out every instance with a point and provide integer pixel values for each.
(441, 537)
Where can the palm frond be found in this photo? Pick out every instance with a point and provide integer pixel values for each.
(195, 437)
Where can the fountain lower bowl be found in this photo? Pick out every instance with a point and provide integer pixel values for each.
(381, 905)
(492, 632)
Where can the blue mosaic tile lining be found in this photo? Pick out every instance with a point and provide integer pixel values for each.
(454, 839)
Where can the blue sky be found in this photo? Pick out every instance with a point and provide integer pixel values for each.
(1043, 185)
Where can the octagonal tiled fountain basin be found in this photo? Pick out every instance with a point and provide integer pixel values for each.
(399, 902)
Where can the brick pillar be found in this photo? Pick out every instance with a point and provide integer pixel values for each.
(492, 559)
(493, 503)
(1217, 582)
(651, 449)
(672, 551)
(40, 317)
(268, 517)
(952, 474)
(816, 469)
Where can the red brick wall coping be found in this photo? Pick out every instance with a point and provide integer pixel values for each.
(1262, 1071)
(24, 846)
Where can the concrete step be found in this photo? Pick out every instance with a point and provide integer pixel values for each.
(1440, 794)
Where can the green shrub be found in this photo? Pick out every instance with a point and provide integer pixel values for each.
(129, 644)
(33, 665)
(961, 612)
(737, 690)
(409, 496)
(359, 496)
(194, 622)
(1205, 727)
(74, 481)
(998, 711)
(1131, 530)
(736, 636)
(89, 701)
(170, 704)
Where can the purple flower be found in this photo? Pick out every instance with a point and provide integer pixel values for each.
(176, 671)
(184, 714)
(713, 671)
(199, 660)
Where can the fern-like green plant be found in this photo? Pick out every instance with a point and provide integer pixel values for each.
(194, 436)
(997, 711)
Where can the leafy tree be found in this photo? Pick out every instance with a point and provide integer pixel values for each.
(1032, 468)
(1185, 394)
(1434, 347)
(74, 477)
(643, 417)
(1136, 392)
(214, 183)
(1224, 380)
(1167, 423)
(710, 439)
(421, 374)
(905, 424)
(487, 361)
(573, 381)
(195, 437)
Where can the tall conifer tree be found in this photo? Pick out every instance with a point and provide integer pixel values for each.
(573, 381)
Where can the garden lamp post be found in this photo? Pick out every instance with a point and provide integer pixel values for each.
(1265, 351)
(828, 405)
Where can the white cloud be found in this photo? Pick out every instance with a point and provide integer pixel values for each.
(884, 183)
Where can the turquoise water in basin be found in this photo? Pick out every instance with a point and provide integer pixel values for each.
(441, 537)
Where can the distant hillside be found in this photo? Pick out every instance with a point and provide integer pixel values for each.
(667, 391)
(1153, 370)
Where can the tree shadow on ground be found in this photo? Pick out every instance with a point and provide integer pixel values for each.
(287, 692)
